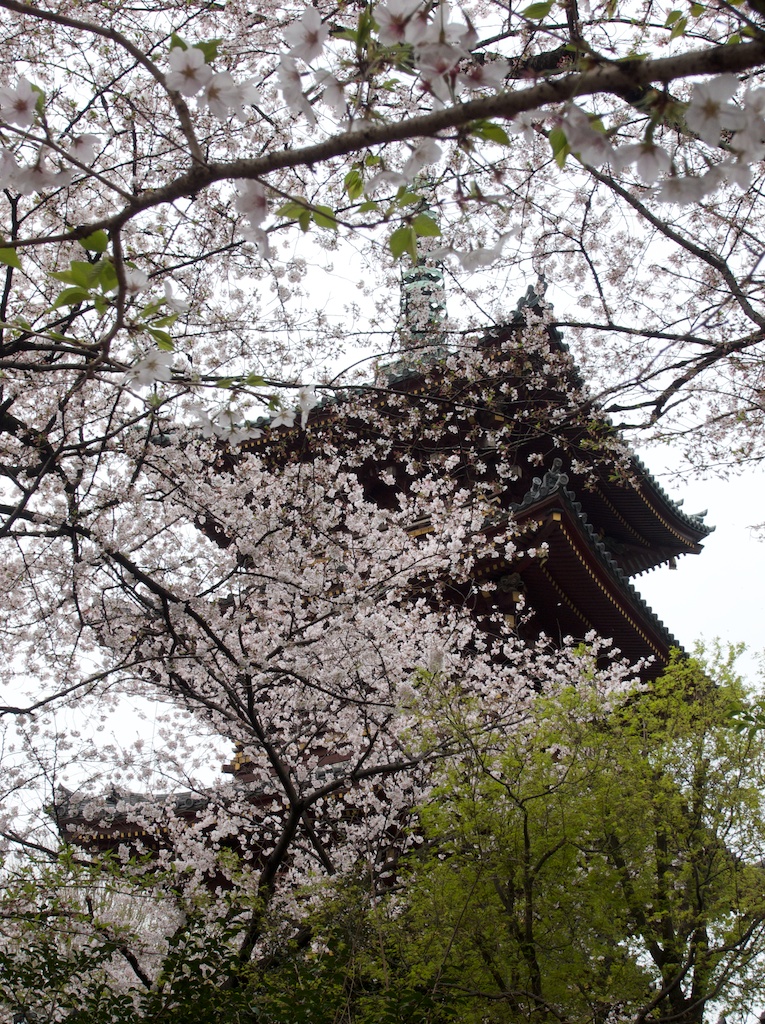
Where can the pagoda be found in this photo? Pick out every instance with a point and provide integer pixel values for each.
(587, 508)
(511, 422)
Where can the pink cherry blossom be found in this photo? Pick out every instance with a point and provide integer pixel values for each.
(401, 21)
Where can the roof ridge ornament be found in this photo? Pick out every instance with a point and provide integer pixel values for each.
(553, 480)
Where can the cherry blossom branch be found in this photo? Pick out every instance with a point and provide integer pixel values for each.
(138, 55)
(612, 79)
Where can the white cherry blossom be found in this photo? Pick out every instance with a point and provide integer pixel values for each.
(484, 256)
(251, 201)
(39, 177)
(683, 190)
(18, 106)
(525, 124)
(437, 63)
(283, 418)
(401, 21)
(652, 161)
(9, 168)
(152, 368)
(333, 93)
(83, 148)
(291, 86)
(306, 37)
(748, 142)
(172, 301)
(307, 400)
(135, 280)
(425, 153)
(221, 96)
(189, 71)
(490, 75)
(709, 111)
(592, 146)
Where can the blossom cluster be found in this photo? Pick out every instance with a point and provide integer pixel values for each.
(709, 114)
(191, 75)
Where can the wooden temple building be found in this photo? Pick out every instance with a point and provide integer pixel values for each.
(588, 510)
(561, 473)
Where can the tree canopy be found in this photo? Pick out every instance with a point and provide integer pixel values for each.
(163, 163)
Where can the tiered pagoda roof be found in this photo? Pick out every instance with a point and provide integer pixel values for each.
(562, 474)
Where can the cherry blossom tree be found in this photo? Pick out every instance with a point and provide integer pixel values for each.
(181, 183)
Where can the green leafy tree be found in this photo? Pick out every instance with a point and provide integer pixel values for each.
(600, 864)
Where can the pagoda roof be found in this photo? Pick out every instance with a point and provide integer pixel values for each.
(602, 515)
(576, 562)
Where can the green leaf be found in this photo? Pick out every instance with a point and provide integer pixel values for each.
(40, 101)
(678, 29)
(293, 209)
(304, 220)
(151, 309)
(405, 198)
(324, 217)
(403, 240)
(535, 12)
(366, 24)
(98, 241)
(10, 258)
(225, 383)
(177, 42)
(490, 132)
(163, 339)
(354, 184)
(425, 226)
(371, 160)
(345, 33)
(560, 146)
(71, 297)
(107, 275)
(80, 273)
(209, 48)
(368, 206)
(254, 380)
(672, 18)
(165, 321)
(697, 10)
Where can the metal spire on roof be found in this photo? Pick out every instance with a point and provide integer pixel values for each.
(423, 298)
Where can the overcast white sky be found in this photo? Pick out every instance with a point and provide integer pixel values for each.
(718, 593)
